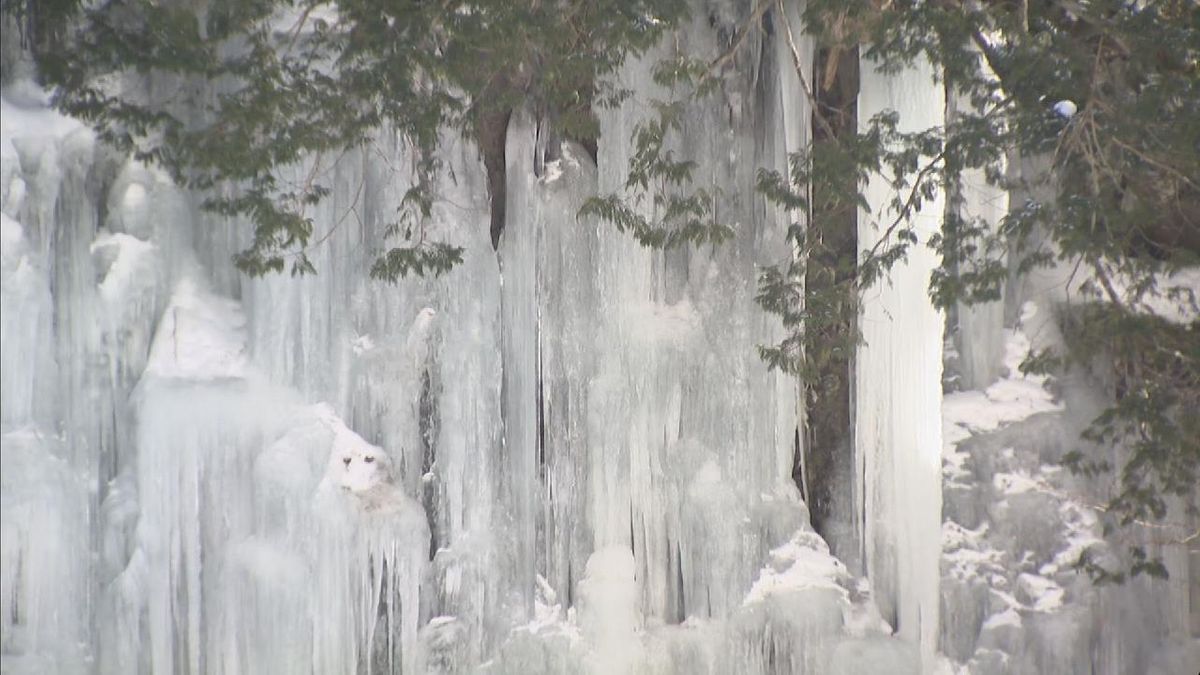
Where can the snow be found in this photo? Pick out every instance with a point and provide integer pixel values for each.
(128, 260)
(1016, 396)
(1065, 109)
(1081, 523)
(1009, 617)
(1015, 483)
(802, 563)
(201, 337)
(1040, 593)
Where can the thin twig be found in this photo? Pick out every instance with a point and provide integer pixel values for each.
(1043, 488)
(1107, 283)
(1150, 160)
(300, 26)
(907, 206)
(798, 63)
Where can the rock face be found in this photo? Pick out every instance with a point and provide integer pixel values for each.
(579, 464)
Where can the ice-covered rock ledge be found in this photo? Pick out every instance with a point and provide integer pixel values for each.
(1015, 522)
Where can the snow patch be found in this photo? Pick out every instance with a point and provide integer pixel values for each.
(1013, 398)
(1065, 109)
(128, 260)
(802, 563)
(1008, 617)
(1039, 593)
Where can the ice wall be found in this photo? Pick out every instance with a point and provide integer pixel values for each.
(574, 415)
(664, 449)
(670, 364)
(897, 384)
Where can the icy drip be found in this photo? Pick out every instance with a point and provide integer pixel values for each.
(898, 385)
(43, 571)
(370, 567)
(25, 323)
(255, 555)
(194, 544)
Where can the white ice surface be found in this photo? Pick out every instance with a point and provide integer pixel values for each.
(898, 384)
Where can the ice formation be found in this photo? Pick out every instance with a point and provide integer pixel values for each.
(564, 456)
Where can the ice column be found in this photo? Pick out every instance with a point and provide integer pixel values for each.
(898, 385)
(549, 319)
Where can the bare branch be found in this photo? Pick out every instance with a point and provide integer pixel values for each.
(798, 63)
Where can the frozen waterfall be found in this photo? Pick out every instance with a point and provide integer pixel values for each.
(564, 456)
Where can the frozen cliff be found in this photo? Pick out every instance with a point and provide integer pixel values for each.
(564, 456)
